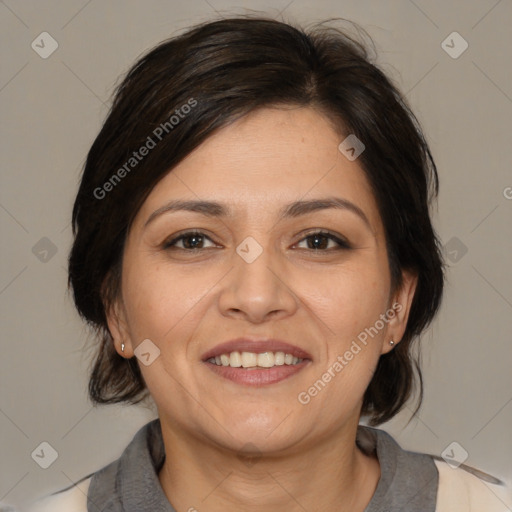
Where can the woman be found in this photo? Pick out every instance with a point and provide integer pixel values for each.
(254, 248)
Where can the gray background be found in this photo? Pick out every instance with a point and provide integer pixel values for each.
(53, 108)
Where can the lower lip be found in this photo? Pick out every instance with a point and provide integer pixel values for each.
(260, 377)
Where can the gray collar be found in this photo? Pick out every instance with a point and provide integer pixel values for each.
(408, 480)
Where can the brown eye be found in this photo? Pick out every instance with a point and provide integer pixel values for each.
(320, 241)
(192, 240)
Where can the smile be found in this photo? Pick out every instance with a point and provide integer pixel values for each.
(252, 360)
(256, 369)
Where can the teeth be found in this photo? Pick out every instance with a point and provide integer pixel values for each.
(266, 360)
(235, 359)
(249, 359)
(279, 358)
(253, 360)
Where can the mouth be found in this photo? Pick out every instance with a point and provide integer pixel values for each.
(256, 362)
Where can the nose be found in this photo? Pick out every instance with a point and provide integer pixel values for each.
(258, 290)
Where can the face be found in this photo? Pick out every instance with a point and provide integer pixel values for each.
(316, 278)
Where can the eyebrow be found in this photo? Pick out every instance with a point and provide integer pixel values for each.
(295, 209)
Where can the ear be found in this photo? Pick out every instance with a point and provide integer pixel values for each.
(398, 312)
(118, 327)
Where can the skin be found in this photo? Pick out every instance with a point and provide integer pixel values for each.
(320, 300)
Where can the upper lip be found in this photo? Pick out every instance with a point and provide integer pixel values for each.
(256, 345)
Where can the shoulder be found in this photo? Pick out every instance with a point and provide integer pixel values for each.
(101, 487)
(71, 499)
(460, 490)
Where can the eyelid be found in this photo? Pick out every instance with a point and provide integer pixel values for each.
(186, 234)
(341, 241)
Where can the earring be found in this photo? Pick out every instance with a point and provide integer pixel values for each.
(122, 347)
(391, 342)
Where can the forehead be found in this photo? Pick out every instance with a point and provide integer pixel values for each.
(266, 159)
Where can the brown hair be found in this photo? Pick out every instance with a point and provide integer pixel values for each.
(229, 68)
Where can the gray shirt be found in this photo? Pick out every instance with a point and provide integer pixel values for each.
(408, 481)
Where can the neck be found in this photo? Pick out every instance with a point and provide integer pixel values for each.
(332, 474)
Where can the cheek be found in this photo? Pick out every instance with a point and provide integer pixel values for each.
(165, 306)
(348, 300)
(159, 300)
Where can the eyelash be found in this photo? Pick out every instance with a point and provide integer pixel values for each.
(343, 244)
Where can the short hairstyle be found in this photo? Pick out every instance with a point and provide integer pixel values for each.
(187, 88)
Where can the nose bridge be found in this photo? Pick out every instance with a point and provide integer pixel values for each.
(254, 287)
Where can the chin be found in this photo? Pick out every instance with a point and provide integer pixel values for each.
(270, 431)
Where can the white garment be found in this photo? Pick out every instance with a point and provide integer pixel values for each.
(72, 500)
(461, 491)
(458, 491)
